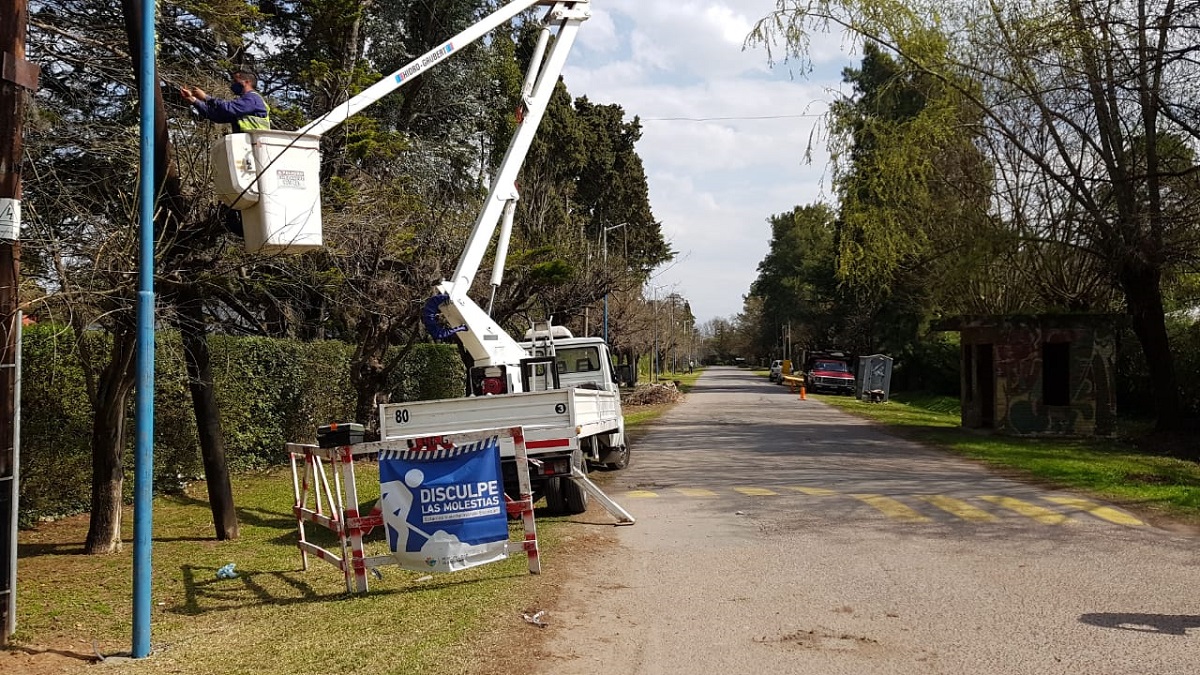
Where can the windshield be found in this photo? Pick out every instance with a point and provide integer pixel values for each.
(836, 366)
(577, 359)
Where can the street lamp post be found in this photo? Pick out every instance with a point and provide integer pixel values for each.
(605, 232)
(671, 327)
(654, 356)
(654, 360)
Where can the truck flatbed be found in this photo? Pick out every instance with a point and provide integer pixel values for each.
(549, 417)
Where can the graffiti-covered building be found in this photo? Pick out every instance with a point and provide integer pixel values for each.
(1049, 374)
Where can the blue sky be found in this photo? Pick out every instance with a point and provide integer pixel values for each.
(713, 183)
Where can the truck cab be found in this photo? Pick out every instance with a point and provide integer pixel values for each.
(579, 363)
(584, 363)
(829, 371)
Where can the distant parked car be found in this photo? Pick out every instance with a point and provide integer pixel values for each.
(829, 371)
(776, 374)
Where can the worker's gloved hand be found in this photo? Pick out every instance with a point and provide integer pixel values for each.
(198, 93)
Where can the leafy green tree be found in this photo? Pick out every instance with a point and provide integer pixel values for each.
(913, 224)
(797, 282)
(1073, 97)
(86, 215)
(909, 229)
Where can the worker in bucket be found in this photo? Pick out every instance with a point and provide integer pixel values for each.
(247, 111)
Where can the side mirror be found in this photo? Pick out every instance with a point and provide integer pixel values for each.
(624, 375)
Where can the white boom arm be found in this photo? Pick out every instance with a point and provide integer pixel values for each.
(484, 339)
(410, 70)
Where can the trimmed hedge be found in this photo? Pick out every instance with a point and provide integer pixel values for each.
(56, 425)
(269, 391)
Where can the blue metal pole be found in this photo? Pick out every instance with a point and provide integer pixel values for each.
(143, 468)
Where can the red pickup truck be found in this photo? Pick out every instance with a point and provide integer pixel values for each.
(828, 371)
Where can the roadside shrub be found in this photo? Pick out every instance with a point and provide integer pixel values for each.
(176, 449)
(1185, 348)
(1135, 395)
(428, 372)
(269, 392)
(258, 383)
(326, 393)
(931, 365)
(56, 425)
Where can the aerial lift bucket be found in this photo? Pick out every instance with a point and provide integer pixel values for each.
(274, 179)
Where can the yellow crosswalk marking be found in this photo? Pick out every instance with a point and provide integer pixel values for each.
(641, 494)
(1042, 515)
(959, 508)
(1103, 512)
(755, 491)
(893, 508)
(814, 491)
(696, 492)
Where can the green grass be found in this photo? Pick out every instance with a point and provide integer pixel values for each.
(1113, 469)
(273, 618)
(685, 379)
(639, 416)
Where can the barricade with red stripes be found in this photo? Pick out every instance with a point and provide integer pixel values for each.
(334, 505)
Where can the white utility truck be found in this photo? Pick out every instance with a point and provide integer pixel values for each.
(568, 404)
(561, 389)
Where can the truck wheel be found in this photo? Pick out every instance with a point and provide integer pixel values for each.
(621, 461)
(555, 501)
(575, 498)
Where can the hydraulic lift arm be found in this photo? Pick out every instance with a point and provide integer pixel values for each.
(486, 342)
(411, 70)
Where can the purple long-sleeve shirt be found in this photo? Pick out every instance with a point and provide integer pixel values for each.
(249, 104)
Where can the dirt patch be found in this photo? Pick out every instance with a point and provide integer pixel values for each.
(48, 550)
(821, 638)
(44, 659)
(510, 643)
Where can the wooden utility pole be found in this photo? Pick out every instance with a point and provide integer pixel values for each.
(16, 76)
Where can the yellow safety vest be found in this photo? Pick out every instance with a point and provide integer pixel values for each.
(253, 122)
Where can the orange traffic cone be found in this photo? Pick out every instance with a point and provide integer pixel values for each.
(802, 396)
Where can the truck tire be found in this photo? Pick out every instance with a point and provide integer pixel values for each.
(575, 498)
(555, 501)
(621, 462)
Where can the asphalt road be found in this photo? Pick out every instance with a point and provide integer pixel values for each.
(782, 536)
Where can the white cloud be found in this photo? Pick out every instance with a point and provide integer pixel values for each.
(713, 183)
(598, 34)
